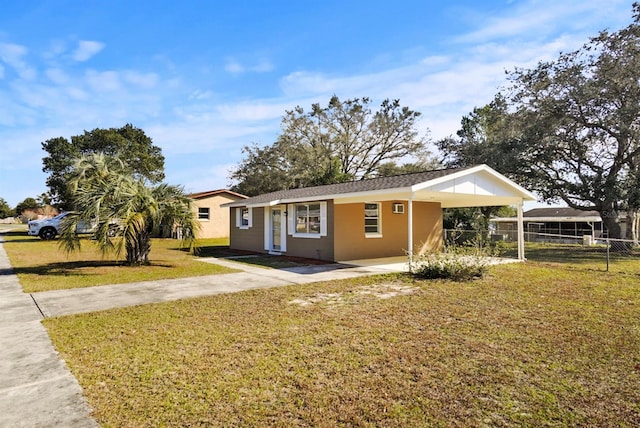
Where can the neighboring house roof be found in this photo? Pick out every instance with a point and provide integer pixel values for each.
(554, 214)
(560, 212)
(210, 193)
(479, 185)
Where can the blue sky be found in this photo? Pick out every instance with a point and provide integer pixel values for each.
(204, 78)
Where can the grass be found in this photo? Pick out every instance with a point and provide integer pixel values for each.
(575, 255)
(43, 266)
(531, 344)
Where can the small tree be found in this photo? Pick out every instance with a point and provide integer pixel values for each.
(29, 204)
(5, 209)
(127, 210)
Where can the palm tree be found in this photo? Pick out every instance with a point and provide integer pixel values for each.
(124, 211)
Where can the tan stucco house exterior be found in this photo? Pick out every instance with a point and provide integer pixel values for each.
(213, 218)
(375, 218)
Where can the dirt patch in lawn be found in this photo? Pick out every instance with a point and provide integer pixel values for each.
(385, 290)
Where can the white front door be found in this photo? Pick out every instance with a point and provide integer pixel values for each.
(276, 229)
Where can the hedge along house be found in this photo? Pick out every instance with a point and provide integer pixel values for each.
(368, 219)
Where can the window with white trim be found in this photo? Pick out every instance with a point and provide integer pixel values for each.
(372, 219)
(203, 213)
(308, 218)
(243, 217)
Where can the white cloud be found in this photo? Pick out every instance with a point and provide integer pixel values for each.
(141, 80)
(256, 110)
(443, 88)
(202, 179)
(86, 49)
(233, 66)
(57, 48)
(263, 66)
(103, 81)
(57, 75)
(302, 83)
(538, 18)
(199, 95)
(208, 133)
(13, 55)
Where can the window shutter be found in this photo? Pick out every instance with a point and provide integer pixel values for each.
(267, 228)
(323, 219)
(291, 219)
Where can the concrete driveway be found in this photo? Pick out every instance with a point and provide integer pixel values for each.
(90, 299)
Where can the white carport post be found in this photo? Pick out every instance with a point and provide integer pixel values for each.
(410, 228)
(520, 232)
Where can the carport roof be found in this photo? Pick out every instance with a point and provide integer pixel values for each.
(454, 187)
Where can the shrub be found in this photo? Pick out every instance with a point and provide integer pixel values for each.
(456, 263)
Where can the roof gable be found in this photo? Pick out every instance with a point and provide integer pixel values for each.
(210, 193)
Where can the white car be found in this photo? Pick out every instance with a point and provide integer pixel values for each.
(48, 228)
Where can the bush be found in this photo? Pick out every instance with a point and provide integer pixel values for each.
(456, 263)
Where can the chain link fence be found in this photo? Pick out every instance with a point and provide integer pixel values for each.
(599, 253)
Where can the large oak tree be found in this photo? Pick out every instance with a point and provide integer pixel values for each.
(143, 158)
(346, 140)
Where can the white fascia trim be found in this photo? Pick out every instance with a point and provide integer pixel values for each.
(243, 205)
(337, 197)
(264, 204)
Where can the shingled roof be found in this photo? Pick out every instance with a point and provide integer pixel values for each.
(209, 193)
(381, 183)
(560, 212)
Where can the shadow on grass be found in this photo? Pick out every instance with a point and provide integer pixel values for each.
(72, 268)
(258, 259)
(18, 236)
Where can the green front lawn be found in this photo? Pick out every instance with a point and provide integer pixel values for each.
(532, 344)
(43, 265)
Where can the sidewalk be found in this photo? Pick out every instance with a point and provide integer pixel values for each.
(36, 388)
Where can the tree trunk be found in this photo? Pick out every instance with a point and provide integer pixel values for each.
(138, 249)
(609, 217)
(633, 219)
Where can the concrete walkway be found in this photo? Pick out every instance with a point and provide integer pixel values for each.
(36, 388)
(90, 299)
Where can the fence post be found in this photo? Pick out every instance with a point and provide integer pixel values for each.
(608, 246)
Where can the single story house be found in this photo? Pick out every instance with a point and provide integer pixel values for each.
(213, 218)
(367, 219)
